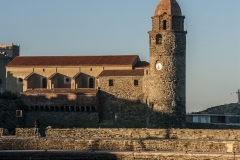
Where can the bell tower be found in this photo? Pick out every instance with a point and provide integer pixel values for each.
(167, 71)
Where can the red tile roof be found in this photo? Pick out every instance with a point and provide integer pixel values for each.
(72, 60)
(106, 73)
(141, 64)
(62, 91)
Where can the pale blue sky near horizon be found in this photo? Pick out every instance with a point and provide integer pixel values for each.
(108, 27)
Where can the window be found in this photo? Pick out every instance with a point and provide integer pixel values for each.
(0, 81)
(43, 70)
(135, 82)
(19, 80)
(158, 39)
(110, 82)
(67, 80)
(164, 25)
(91, 83)
(19, 113)
(90, 69)
(44, 83)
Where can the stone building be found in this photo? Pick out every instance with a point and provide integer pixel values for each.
(120, 90)
(7, 53)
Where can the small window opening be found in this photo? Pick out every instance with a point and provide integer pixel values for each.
(110, 82)
(51, 108)
(77, 109)
(47, 108)
(19, 113)
(67, 108)
(90, 69)
(135, 82)
(0, 81)
(43, 70)
(82, 109)
(62, 108)
(88, 109)
(158, 39)
(164, 25)
(93, 108)
(20, 80)
(57, 108)
(72, 108)
(67, 79)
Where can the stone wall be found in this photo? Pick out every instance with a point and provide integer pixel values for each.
(124, 133)
(62, 119)
(8, 118)
(114, 155)
(1, 132)
(121, 104)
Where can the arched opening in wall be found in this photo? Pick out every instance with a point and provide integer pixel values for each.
(93, 108)
(67, 108)
(164, 25)
(57, 108)
(82, 109)
(72, 108)
(91, 83)
(31, 108)
(37, 108)
(158, 39)
(77, 109)
(44, 83)
(51, 108)
(62, 108)
(88, 109)
(47, 108)
(41, 108)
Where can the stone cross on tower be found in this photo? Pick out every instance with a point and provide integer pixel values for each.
(238, 96)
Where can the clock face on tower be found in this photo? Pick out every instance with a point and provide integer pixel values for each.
(158, 66)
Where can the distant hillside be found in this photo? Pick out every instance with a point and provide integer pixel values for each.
(233, 108)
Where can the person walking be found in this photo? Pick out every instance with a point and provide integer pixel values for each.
(36, 128)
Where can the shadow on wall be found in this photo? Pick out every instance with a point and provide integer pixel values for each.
(112, 112)
(121, 113)
(14, 84)
(57, 155)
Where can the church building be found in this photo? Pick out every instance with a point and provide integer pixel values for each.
(109, 91)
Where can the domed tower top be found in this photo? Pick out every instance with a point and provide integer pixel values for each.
(170, 7)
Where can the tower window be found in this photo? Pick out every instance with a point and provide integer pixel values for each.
(158, 39)
(110, 82)
(135, 82)
(164, 25)
(90, 69)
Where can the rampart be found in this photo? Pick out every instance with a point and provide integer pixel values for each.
(162, 143)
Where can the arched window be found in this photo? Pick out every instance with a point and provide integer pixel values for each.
(158, 39)
(44, 83)
(164, 25)
(91, 83)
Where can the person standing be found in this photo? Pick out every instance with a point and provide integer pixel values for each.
(36, 128)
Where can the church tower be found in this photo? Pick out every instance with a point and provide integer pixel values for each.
(167, 71)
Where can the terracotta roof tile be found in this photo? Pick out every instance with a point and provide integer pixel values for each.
(62, 91)
(106, 73)
(141, 64)
(72, 60)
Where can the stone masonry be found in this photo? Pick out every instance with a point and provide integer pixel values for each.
(166, 80)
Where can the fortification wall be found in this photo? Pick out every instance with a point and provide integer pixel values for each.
(123, 133)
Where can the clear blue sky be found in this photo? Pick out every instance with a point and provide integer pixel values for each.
(103, 27)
